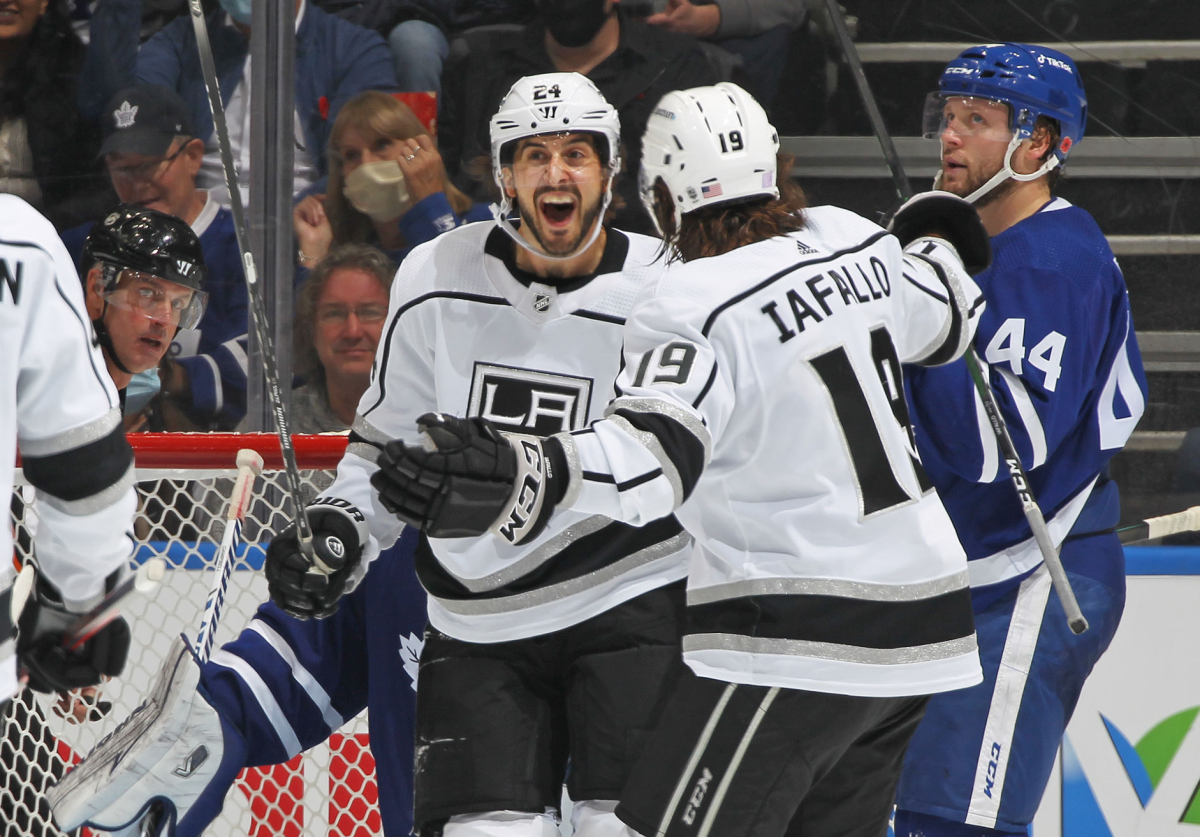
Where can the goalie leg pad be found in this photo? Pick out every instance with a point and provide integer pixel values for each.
(174, 750)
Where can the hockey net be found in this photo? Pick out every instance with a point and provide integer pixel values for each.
(184, 481)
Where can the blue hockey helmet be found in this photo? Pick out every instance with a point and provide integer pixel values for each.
(1033, 80)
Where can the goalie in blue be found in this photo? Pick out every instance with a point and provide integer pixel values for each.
(282, 686)
(1059, 350)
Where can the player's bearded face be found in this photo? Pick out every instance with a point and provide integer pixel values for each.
(558, 183)
(975, 136)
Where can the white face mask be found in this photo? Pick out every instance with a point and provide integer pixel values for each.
(378, 190)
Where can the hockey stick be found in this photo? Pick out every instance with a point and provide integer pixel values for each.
(249, 465)
(258, 308)
(1020, 480)
(1152, 528)
(144, 580)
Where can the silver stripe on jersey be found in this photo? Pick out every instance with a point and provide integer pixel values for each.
(842, 588)
(364, 451)
(565, 589)
(76, 437)
(369, 431)
(574, 471)
(534, 558)
(98, 502)
(830, 650)
(672, 411)
(650, 442)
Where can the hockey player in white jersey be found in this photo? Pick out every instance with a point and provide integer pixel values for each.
(1060, 352)
(762, 402)
(559, 647)
(58, 405)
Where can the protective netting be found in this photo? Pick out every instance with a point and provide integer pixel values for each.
(329, 790)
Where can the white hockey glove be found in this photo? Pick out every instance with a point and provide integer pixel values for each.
(947, 216)
(170, 762)
(50, 665)
(476, 480)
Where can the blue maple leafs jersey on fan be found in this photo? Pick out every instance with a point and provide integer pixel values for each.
(59, 405)
(824, 560)
(466, 336)
(1063, 361)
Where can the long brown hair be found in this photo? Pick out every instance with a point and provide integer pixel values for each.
(718, 229)
(373, 114)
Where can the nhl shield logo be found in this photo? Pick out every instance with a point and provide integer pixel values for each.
(125, 115)
(541, 303)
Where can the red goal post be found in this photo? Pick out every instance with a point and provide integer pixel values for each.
(184, 481)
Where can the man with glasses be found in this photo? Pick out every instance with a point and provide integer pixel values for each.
(153, 157)
(142, 275)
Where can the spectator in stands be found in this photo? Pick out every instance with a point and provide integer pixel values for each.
(47, 148)
(339, 320)
(756, 30)
(152, 154)
(334, 61)
(631, 63)
(387, 185)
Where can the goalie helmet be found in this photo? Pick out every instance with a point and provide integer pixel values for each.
(710, 145)
(1032, 80)
(553, 103)
(135, 238)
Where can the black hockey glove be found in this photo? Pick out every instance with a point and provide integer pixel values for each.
(950, 217)
(477, 480)
(50, 665)
(339, 534)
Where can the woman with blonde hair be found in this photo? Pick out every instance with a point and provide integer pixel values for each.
(387, 185)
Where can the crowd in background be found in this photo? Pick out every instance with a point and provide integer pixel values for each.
(104, 103)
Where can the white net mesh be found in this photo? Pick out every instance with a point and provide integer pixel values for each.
(329, 790)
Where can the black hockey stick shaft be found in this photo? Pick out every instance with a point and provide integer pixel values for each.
(258, 308)
(1033, 513)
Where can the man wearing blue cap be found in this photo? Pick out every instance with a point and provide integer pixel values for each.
(153, 157)
(1060, 353)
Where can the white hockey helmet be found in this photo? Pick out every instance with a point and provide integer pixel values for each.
(710, 145)
(553, 103)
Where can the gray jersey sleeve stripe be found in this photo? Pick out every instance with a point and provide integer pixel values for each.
(651, 443)
(93, 503)
(672, 411)
(76, 437)
(81, 473)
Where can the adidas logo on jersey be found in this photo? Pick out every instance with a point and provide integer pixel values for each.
(804, 249)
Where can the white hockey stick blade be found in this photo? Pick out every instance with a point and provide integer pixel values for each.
(145, 580)
(250, 465)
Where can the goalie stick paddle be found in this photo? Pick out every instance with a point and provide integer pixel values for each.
(249, 465)
(1020, 480)
(258, 308)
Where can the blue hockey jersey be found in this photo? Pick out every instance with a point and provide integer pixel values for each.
(287, 684)
(1059, 349)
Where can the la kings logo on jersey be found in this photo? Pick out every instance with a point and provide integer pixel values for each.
(528, 400)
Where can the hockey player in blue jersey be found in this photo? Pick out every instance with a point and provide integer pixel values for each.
(283, 686)
(1059, 350)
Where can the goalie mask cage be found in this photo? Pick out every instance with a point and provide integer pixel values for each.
(184, 482)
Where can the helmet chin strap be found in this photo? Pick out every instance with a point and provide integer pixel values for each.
(1006, 172)
(499, 211)
(106, 341)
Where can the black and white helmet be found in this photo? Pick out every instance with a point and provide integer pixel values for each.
(553, 103)
(148, 241)
(710, 145)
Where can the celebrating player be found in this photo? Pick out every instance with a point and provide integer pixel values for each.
(59, 406)
(1065, 368)
(561, 647)
(762, 401)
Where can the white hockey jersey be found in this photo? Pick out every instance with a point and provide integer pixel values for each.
(58, 404)
(762, 399)
(470, 334)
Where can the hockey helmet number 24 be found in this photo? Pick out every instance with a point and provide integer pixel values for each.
(133, 238)
(710, 145)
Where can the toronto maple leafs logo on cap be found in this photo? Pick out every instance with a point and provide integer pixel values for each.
(125, 115)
